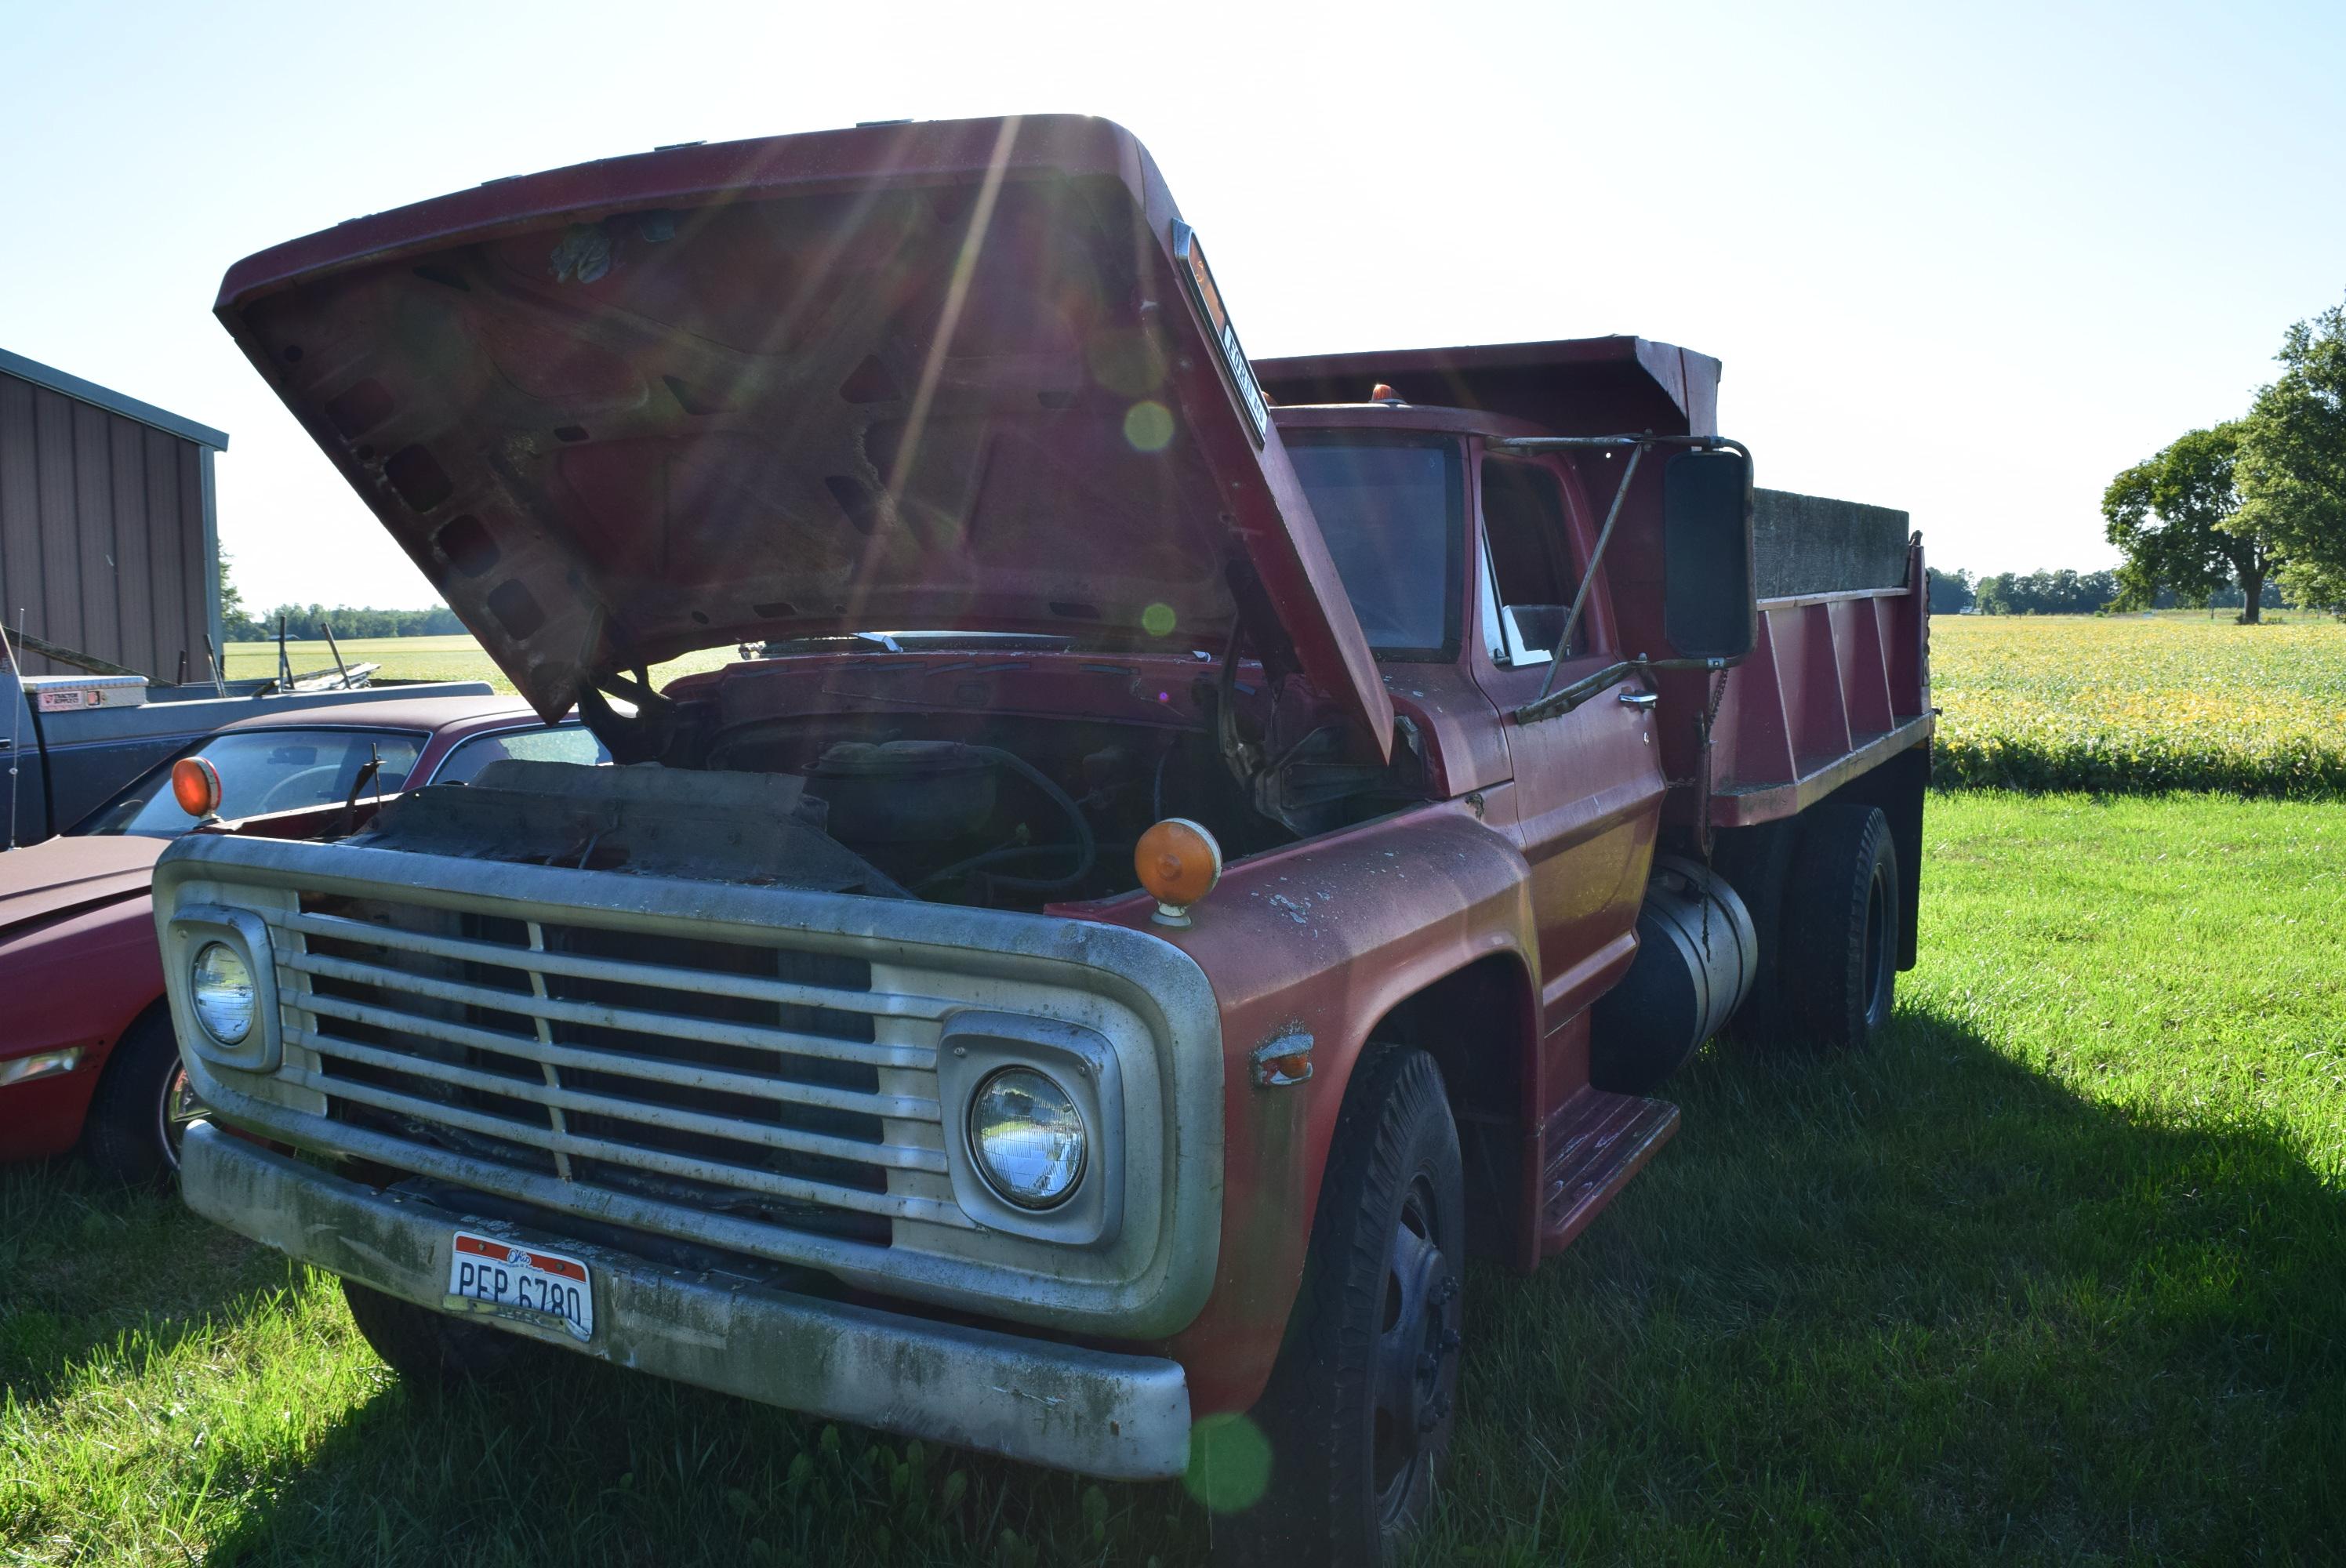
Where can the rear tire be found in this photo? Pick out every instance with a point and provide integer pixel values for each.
(1837, 969)
(428, 1346)
(140, 1111)
(1361, 1405)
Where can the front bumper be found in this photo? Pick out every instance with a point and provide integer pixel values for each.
(1101, 1414)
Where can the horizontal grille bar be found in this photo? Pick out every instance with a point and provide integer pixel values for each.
(536, 1092)
(580, 966)
(893, 1206)
(529, 1048)
(594, 1014)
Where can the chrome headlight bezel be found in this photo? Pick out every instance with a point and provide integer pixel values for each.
(977, 1047)
(188, 934)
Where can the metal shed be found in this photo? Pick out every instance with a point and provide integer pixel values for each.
(110, 541)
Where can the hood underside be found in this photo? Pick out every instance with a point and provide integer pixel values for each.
(945, 376)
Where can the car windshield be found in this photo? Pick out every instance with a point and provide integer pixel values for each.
(1388, 508)
(262, 770)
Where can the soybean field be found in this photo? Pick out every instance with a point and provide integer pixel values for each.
(2132, 705)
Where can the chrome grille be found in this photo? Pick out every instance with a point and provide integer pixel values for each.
(765, 1081)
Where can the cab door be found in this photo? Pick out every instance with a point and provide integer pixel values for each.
(1589, 784)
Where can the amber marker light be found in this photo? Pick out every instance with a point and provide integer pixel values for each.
(195, 786)
(1178, 862)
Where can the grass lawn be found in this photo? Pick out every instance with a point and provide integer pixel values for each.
(2057, 1275)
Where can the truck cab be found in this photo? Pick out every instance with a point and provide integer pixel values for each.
(1144, 907)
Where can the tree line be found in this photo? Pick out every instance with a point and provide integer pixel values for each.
(308, 623)
(2067, 593)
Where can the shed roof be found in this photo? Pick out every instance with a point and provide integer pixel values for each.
(113, 402)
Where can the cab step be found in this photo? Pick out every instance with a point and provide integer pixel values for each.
(1591, 1147)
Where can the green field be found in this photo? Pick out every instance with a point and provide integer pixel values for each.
(2053, 1276)
(2141, 704)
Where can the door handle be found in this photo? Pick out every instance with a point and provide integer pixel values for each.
(1639, 698)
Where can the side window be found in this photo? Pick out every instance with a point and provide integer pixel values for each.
(1523, 522)
(563, 743)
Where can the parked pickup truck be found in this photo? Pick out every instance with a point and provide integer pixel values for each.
(1212, 846)
(87, 1055)
(67, 742)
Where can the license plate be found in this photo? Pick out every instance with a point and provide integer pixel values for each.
(504, 1279)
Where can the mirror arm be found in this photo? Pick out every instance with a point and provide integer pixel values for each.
(1596, 558)
(1635, 446)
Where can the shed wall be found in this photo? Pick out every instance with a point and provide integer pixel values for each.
(105, 544)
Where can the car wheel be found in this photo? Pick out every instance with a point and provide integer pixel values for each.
(143, 1106)
(1360, 1407)
(1837, 973)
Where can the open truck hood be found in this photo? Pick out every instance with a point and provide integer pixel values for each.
(951, 376)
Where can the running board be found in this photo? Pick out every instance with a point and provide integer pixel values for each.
(1591, 1148)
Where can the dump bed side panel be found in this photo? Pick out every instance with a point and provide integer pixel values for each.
(1840, 679)
(1807, 544)
(1839, 683)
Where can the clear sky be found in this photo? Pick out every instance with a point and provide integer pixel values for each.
(1965, 259)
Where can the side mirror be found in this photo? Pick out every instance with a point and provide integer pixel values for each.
(1708, 592)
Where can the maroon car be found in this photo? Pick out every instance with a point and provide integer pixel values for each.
(85, 1048)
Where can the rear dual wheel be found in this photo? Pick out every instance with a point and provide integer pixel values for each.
(1361, 1405)
(1837, 964)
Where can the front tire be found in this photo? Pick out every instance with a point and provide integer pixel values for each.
(1361, 1405)
(434, 1348)
(140, 1112)
(1837, 973)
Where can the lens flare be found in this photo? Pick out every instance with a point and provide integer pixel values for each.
(1230, 1463)
(1149, 425)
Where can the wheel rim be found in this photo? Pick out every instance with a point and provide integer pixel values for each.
(1877, 952)
(176, 1110)
(1416, 1353)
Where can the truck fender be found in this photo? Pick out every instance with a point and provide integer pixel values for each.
(1409, 922)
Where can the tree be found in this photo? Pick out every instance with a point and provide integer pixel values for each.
(2293, 463)
(1951, 592)
(2176, 518)
(237, 623)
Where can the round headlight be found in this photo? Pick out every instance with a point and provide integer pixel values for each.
(1027, 1137)
(220, 987)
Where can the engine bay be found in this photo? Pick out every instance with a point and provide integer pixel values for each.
(975, 807)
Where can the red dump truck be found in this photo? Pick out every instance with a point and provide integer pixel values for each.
(1191, 851)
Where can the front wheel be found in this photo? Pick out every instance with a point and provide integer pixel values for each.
(1361, 1404)
(433, 1348)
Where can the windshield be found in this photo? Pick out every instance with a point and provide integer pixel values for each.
(1390, 508)
(262, 770)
